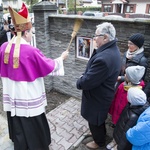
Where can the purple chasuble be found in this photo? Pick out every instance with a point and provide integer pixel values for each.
(32, 64)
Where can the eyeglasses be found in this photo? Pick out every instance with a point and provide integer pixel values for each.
(98, 35)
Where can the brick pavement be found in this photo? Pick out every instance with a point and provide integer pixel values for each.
(67, 127)
(5, 143)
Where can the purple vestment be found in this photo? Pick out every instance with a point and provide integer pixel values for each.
(32, 64)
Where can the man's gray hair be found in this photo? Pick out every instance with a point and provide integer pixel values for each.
(107, 28)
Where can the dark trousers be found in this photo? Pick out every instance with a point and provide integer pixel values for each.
(30, 133)
(98, 133)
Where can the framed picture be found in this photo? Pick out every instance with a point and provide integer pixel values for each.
(84, 47)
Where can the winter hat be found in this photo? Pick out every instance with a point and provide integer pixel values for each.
(136, 96)
(135, 73)
(137, 39)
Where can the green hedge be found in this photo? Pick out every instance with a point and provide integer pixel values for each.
(83, 9)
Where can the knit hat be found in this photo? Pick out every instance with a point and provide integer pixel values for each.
(135, 73)
(137, 39)
(136, 96)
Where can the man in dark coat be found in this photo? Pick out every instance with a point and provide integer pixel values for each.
(97, 82)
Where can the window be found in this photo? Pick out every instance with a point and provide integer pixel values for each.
(107, 8)
(147, 9)
(130, 8)
(84, 47)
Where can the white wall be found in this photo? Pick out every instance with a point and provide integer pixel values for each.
(140, 5)
(140, 8)
(13, 3)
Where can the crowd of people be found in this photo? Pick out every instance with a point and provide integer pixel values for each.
(110, 85)
(115, 88)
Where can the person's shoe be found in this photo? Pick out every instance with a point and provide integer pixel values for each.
(92, 145)
(111, 144)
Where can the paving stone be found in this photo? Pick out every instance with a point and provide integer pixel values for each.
(56, 137)
(54, 146)
(77, 125)
(72, 139)
(76, 133)
(65, 144)
(59, 122)
(67, 126)
(59, 130)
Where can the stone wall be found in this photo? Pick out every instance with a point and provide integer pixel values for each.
(60, 31)
(53, 34)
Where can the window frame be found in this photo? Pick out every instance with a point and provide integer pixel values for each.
(131, 6)
(147, 9)
(108, 5)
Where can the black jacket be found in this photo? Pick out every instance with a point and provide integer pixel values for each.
(140, 60)
(98, 83)
(147, 90)
(3, 36)
(128, 119)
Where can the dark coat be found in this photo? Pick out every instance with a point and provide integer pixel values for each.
(3, 36)
(147, 90)
(98, 83)
(127, 120)
(139, 59)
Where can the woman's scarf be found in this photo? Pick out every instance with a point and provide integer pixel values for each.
(130, 55)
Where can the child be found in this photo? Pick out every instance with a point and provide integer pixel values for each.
(133, 76)
(137, 104)
(139, 135)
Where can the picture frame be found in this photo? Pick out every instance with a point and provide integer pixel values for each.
(84, 47)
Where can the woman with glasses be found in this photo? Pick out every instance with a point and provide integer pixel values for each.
(134, 55)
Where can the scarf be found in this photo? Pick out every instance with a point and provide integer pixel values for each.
(128, 85)
(130, 55)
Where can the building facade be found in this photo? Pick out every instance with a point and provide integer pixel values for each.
(16, 4)
(126, 6)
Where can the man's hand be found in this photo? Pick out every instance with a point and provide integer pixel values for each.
(64, 55)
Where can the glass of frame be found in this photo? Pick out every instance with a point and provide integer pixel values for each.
(84, 47)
